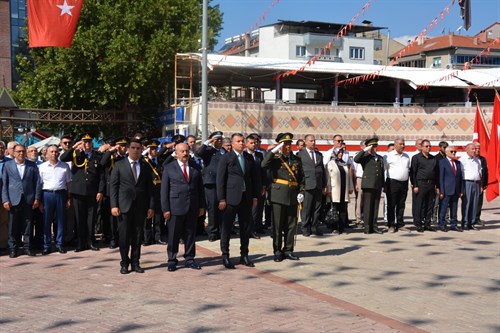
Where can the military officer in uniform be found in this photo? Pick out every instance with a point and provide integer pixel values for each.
(372, 183)
(87, 189)
(286, 188)
(113, 152)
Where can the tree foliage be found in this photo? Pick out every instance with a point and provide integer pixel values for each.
(122, 56)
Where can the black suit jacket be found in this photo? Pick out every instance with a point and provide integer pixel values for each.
(87, 180)
(231, 181)
(179, 196)
(484, 171)
(124, 190)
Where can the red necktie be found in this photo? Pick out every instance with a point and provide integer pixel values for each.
(453, 167)
(185, 172)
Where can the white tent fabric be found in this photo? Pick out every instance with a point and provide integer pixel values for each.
(51, 140)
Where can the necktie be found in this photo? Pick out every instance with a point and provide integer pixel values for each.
(312, 156)
(242, 163)
(184, 170)
(134, 170)
(453, 167)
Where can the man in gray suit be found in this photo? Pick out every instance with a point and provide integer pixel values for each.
(21, 193)
(315, 186)
(182, 201)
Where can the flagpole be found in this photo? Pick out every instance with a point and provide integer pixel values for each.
(483, 120)
(204, 78)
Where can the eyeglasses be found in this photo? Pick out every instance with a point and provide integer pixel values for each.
(453, 151)
(339, 140)
(426, 146)
(66, 142)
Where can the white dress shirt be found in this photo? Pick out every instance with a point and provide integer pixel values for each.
(20, 169)
(397, 166)
(54, 177)
(181, 165)
(471, 167)
(137, 166)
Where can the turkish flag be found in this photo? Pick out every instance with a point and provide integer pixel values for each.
(480, 132)
(493, 157)
(52, 22)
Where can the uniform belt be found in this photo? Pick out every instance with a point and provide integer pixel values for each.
(55, 191)
(156, 182)
(285, 182)
(426, 180)
(473, 181)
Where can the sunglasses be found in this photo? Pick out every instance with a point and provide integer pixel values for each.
(66, 142)
(453, 151)
(426, 146)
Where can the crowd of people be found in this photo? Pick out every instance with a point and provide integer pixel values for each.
(137, 192)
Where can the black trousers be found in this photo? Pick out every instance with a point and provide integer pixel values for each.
(285, 227)
(182, 226)
(109, 222)
(85, 215)
(214, 214)
(397, 191)
(341, 208)
(371, 200)
(311, 210)
(244, 211)
(20, 222)
(257, 213)
(130, 227)
(424, 204)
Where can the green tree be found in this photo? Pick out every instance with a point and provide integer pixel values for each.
(122, 57)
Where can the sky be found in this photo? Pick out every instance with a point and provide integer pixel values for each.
(401, 17)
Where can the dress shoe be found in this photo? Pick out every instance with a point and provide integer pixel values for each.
(227, 263)
(29, 253)
(45, 252)
(318, 233)
(306, 233)
(420, 229)
(113, 245)
(244, 260)
(473, 228)
(124, 270)
(443, 229)
(395, 229)
(456, 229)
(61, 249)
(12, 254)
(160, 242)
(171, 267)
(94, 248)
(137, 269)
(79, 249)
(291, 256)
(212, 238)
(278, 258)
(376, 231)
(254, 235)
(430, 229)
(193, 265)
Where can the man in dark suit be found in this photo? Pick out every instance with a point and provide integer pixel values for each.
(238, 186)
(315, 186)
(484, 185)
(450, 188)
(211, 152)
(87, 189)
(4, 215)
(132, 201)
(21, 193)
(372, 183)
(251, 142)
(182, 201)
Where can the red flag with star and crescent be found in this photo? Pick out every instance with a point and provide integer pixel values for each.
(52, 22)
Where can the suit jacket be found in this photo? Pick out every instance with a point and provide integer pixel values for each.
(314, 173)
(2, 162)
(179, 196)
(108, 160)
(484, 171)
(231, 179)
(12, 183)
(264, 179)
(449, 183)
(373, 170)
(124, 190)
(86, 180)
(211, 157)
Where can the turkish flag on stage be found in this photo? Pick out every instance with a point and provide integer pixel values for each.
(481, 133)
(493, 158)
(52, 22)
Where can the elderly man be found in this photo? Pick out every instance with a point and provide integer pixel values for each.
(484, 184)
(471, 170)
(21, 193)
(55, 176)
(450, 188)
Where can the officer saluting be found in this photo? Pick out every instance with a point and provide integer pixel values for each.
(288, 182)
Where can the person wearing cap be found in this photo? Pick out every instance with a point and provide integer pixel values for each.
(211, 152)
(285, 195)
(113, 152)
(154, 228)
(87, 189)
(167, 153)
(315, 186)
(238, 187)
(372, 183)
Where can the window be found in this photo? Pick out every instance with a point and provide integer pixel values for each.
(357, 53)
(300, 51)
(436, 62)
(326, 52)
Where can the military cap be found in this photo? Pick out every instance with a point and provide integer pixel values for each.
(87, 137)
(371, 141)
(153, 144)
(121, 140)
(283, 137)
(217, 135)
(254, 136)
(178, 138)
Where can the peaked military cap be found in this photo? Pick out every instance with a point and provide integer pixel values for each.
(283, 137)
(217, 135)
(153, 144)
(121, 140)
(87, 137)
(178, 138)
(371, 142)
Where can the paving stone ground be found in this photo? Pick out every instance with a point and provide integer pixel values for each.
(402, 282)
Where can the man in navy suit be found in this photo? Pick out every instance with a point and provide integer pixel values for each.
(182, 201)
(21, 193)
(450, 187)
(132, 200)
(238, 187)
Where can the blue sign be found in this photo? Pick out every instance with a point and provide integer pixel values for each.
(167, 117)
